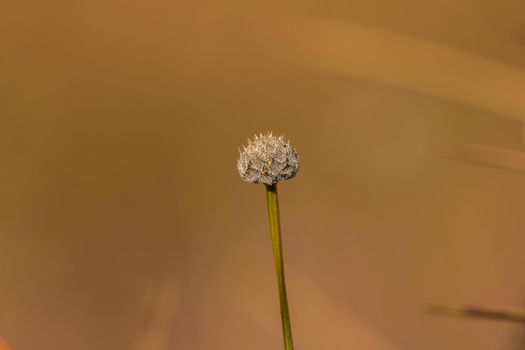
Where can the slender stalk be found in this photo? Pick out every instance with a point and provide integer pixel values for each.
(275, 228)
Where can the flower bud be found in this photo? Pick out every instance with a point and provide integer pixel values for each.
(267, 159)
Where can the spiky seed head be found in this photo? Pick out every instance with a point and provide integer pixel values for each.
(268, 160)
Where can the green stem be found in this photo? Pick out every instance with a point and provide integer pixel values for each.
(275, 228)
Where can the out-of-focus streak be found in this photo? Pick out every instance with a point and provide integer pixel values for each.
(160, 310)
(4, 345)
(372, 54)
(336, 328)
(478, 312)
(483, 155)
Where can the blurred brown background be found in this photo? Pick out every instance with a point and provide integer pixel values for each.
(123, 222)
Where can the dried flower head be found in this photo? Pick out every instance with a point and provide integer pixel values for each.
(267, 159)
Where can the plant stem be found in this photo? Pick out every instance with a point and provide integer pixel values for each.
(275, 228)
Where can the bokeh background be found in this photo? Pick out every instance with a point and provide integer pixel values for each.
(124, 224)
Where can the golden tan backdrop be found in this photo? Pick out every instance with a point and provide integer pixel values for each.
(124, 225)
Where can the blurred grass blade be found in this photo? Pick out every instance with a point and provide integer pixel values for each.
(484, 155)
(477, 312)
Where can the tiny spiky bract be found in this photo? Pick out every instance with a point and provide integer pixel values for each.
(268, 160)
